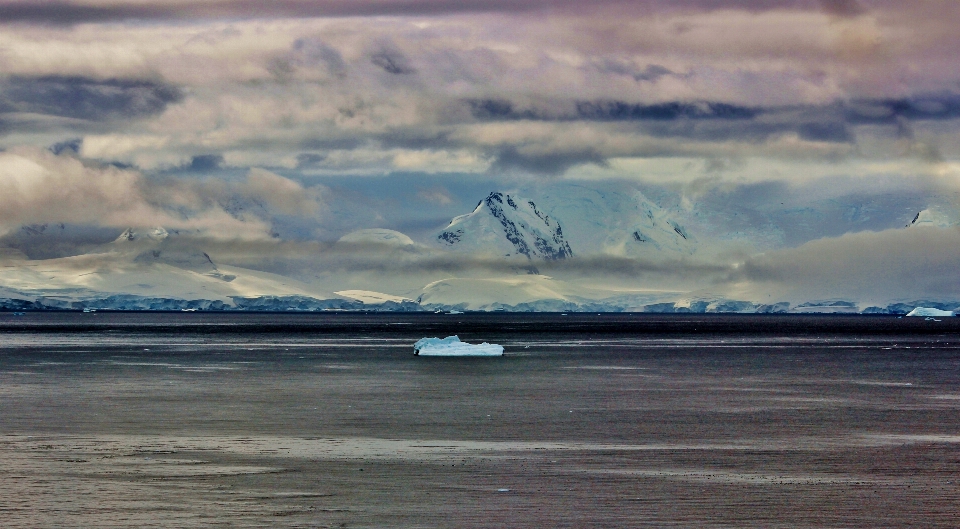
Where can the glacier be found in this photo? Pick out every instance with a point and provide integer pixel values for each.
(452, 346)
(929, 312)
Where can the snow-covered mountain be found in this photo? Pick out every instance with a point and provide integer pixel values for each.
(381, 269)
(157, 245)
(507, 225)
(117, 280)
(616, 219)
(152, 269)
(609, 220)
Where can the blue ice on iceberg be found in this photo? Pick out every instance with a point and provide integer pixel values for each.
(452, 346)
(929, 312)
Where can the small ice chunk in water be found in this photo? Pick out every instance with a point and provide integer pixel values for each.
(929, 312)
(452, 346)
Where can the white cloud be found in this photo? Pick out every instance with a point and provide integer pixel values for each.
(39, 187)
(261, 91)
(435, 161)
(872, 267)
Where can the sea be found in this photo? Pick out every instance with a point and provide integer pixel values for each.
(588, 420)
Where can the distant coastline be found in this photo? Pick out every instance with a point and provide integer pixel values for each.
(287, 304)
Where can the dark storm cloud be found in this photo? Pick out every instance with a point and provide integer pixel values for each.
(652, 72)
(552, 163)
(319, 144)
(843, 8)
(68, 13)
(745, 131)
(309, 160)
(717, 121)
(623, 111)
(889, 111)
(501, 109)
(315, 52)
(833, 132)
(85, 98)
(708, 121)
(392, 61)
(65, 12)
(71, 146)
(205, 163)
(62, 12)
(699, 121)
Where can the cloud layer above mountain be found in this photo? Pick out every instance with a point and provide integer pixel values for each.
(38, 187)
(533, 86)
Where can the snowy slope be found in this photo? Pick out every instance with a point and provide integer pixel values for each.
(615, 220)
(157, 245)
(507, 225)
(611, 219)
(81, 277)
(148, 263)
(370, 297)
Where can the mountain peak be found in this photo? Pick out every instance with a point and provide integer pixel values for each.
(510, 224)
(614, 220)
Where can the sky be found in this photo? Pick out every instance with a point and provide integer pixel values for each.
(805, 133)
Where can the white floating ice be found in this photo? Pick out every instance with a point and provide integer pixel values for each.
(929, 312)
(452, 346)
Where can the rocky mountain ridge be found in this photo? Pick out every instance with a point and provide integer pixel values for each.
(567, 220)
(509, 225)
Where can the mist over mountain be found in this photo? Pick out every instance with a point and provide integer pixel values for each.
(569, 247)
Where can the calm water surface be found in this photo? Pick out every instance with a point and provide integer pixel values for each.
(254, 420)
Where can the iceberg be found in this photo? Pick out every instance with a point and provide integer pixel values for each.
(452, 346)
(929, 312)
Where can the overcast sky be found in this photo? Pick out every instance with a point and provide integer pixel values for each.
(793, 123)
